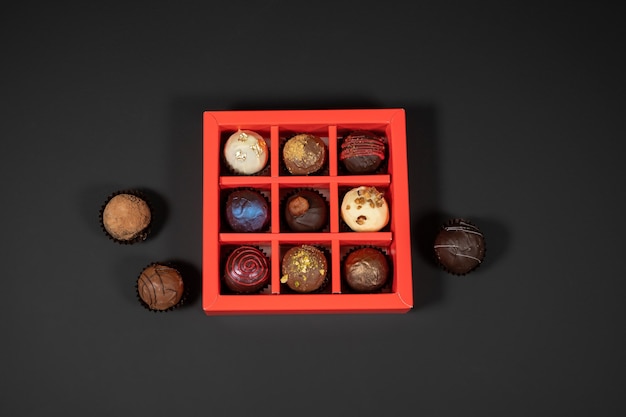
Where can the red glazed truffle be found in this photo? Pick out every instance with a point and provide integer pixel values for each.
(246, 270)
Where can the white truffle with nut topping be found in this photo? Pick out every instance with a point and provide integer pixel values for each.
(246, 152)
(364, 209)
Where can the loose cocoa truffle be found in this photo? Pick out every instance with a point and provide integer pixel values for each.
(304, 154)
(304, 269)
(160, 287)
(366, 269)
(306, 211)
(459, 247)
(126, 218)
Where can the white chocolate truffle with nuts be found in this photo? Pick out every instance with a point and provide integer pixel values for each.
(246, 152)
(364, 209)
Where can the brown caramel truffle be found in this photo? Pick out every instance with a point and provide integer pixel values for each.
(304, 154)
(126, 217)
(366, 269)
(459, 247)
(304, 269)
(160, 287)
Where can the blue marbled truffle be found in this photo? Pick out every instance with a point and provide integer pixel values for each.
(247, 211)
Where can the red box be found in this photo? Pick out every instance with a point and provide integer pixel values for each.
(330, 125)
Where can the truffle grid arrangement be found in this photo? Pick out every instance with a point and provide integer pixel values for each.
(306, 211)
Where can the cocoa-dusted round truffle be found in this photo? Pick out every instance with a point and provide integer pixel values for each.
(247, 270)
(304, 154)
(366, 269)
(362, 152)
(306, 211)
(304, 268)
(459, 246)
(126, 217)
(247, 211)
(160, 287)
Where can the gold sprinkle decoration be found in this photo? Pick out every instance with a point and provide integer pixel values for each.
(243, 137)
(240, 156)
(284, 279)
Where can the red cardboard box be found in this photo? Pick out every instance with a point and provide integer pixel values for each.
(331, 126)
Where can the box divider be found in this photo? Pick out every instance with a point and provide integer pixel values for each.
(275, 151)
(336, 266)
(275, 265)
(334, 207)
(275, 207)
(332, 150)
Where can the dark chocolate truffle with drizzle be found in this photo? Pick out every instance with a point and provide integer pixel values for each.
(306, 211)
(247, 270)
(366, 269)
(459, 247)
(362, 152)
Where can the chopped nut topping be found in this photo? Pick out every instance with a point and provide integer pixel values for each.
(361, 219)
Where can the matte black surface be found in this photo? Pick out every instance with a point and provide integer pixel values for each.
(515, 118)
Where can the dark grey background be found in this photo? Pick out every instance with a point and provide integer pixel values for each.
(515, 120)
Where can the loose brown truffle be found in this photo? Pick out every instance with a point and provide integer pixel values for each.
(459, 247)
(160, 287)
(126, 217)
(304, 268)
(304, 154)
(366, 269)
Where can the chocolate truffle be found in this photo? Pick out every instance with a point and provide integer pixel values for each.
(246, 270)
(304, 154)
(306, 211)
(364, 209)
(247, 211)
(246, 152)
(160, 287)
(366, 269)
(126, 218)
(304, 269)
(362, 152)
(459, 247)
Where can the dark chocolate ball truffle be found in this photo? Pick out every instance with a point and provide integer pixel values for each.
(306, 211)
(126, 218)
(247, 211)
(304, 154)
(459, 247)
(366, 269)
(247, 270)
(160, 287)
(304, 269)
(362, 152)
